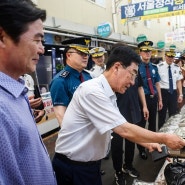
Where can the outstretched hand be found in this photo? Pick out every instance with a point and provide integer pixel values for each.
(174, 142)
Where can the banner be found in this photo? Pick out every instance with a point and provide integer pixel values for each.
(153, 9)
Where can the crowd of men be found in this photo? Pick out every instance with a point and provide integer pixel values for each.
(138, 104)
(87, 109)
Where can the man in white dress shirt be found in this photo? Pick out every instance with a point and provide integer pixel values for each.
(92, 115)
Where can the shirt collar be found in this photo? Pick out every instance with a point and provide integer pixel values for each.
(12, 86)
(107, 87)
(72, 70)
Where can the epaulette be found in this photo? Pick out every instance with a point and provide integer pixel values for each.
(92, 69)
(64, 74)
(176, 65)
(161, 64)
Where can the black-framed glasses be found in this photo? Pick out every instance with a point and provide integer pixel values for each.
(133, 74)
(79, 53)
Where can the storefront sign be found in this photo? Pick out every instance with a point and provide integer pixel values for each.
(160, 44)
(153, 9)
(141, 38)
(175, 36)
(104, 30)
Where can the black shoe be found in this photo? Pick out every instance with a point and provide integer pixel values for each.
(102, 172)
(143, 155)
(130, 170)
(120, 178)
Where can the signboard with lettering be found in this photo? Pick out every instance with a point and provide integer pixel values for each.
(160, 44)
(141, 38)
(104, 30)
(175, 36)
(153, 9)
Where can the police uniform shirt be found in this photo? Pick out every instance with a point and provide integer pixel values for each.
(64, 84)
(128, 103)
(85, 134)
(163, 72)
(29, 83)
(96, 70)
(154, 76)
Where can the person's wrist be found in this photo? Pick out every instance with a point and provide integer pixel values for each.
(180, 95)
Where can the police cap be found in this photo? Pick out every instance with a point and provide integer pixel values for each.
(97, 52)
(79, 43)
(170, 52)
(145, 45)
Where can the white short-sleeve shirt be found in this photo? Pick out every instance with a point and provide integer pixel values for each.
(86, 128)
(96, 70)
(163, 72)
(29, 83)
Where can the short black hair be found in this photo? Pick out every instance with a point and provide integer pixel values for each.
(124, 54)
(15, 16)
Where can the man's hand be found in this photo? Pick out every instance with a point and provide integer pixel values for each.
(153, 146)
(34, 103)
(173, 141)
(38, 115)
(145, 113)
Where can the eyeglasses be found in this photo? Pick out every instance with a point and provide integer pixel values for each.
(133, 74)
(79, 53)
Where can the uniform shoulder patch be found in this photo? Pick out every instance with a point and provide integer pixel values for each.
(92, 69)
(64, 74)
(161, 64)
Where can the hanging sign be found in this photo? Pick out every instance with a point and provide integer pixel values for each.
(104, 30)
(141, 38)
(160, 44)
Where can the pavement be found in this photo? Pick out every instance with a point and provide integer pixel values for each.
(147, 168)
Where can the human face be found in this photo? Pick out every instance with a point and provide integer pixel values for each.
(76, 59)
(125, 77)
(22, 57)
(169, 60)
(99, 61)
(145, 56)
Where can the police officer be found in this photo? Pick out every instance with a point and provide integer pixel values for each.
(151, 78)
(169, 94)
(98, 57)
(65, 83)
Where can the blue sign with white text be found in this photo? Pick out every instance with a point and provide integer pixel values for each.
(150, 7)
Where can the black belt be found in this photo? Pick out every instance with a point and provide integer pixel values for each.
(150, 95)
(168, 90)
(67, 160)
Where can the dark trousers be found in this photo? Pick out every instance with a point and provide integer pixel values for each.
(169, 103)
(117, 152)
(74, 173)
(152, 103)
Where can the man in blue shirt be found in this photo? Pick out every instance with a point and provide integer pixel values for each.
(64, 84)
(151, 89)
(23, 157)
